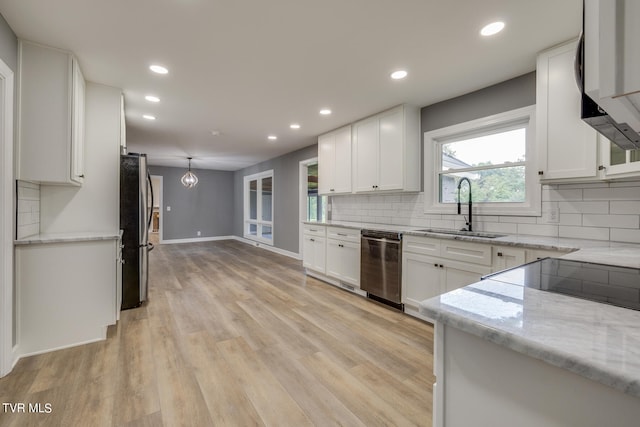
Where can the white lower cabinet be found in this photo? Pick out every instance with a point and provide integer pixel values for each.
(431, 267)
(421, 278)
(343, 261)
(536, 254)
(507, 257)
(343, 255)
(314, 248)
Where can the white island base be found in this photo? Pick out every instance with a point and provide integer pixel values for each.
(480, 383)
(66, 293)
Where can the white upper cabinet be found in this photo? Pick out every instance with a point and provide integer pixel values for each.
(386, 149)
(567, 147)
(334, 162)
(50, 116)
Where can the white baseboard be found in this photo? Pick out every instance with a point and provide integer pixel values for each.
(268, 247)
(196, 240)
(240, 239)
(337, 283)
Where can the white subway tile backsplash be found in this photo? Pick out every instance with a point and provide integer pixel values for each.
(618, 221)
(584, 207)
(592, 233)
(624, 207)
(538, 229)
(599, 211)
(615, 193)
(570, 219)
(28, 209)
(561, 195)
(625, 235)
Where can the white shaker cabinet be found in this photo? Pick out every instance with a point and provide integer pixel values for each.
(567, 147)
(334, 162)
(386, 150)
(343, 255)
(51, 102)
(507, 257)
(431, 267)
(314, 248)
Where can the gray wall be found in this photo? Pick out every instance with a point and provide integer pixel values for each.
(505, 96)
(8, 45)
(286, 170)
(208, 208)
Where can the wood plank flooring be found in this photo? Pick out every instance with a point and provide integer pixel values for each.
(234, 335)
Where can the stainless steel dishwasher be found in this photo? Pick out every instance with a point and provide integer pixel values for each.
(381, 266)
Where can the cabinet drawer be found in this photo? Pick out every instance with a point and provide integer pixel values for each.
(345, 234)
(456, 250)
(421, 245)
(315, 230)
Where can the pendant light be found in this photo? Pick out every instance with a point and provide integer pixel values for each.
(189, 179)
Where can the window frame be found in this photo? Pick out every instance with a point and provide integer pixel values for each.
(434, 140)
(259, 222)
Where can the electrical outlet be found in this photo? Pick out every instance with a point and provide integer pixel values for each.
(198, 233)
(553, 216)
(168, 208)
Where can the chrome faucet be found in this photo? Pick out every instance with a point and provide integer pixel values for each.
(469, 226)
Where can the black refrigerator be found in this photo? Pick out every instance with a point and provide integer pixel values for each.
(136, 202)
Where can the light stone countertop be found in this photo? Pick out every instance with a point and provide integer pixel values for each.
(623, 254)
(46, 238)
(597, 341)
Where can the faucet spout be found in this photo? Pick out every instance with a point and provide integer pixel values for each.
(469, 223)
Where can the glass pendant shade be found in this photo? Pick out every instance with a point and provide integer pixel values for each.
(189, 179)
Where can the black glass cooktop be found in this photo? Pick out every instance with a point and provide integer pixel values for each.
(604, 283)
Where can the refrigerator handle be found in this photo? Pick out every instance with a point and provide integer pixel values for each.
(150, 210)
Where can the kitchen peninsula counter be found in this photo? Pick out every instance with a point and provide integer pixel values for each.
(579, 359)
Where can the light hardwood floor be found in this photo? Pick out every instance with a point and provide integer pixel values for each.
(234, 335)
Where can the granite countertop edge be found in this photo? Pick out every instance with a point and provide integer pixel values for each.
(47, 238)
(596, 248)
(596, 372)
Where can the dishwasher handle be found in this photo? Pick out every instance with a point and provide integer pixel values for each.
(384, 239)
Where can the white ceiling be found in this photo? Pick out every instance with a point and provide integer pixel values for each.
(249, 68)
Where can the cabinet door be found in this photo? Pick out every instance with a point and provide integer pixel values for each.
(313, 256)
(506, 257)
(350, 257)
(459, 274)
(78, 116)
(342, 161)
(421, 278)
(326, 163)
(567, 146)
(391, 165)
(334, 264)
(536, 254)
(366, 141)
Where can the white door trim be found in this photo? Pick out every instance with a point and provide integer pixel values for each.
(7, 218)
(302, 196)
(157, 192)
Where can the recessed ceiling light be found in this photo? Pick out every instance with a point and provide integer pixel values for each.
(400, 74)
(325, 111)
(493, 28)
(272, 137)
(294, 126)
(215, 132)
(158, 69)
(149, 117)
(152, 98)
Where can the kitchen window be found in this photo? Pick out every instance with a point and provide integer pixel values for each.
(258, 207)
(496, 153)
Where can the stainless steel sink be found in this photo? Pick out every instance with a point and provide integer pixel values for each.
(461, 233)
